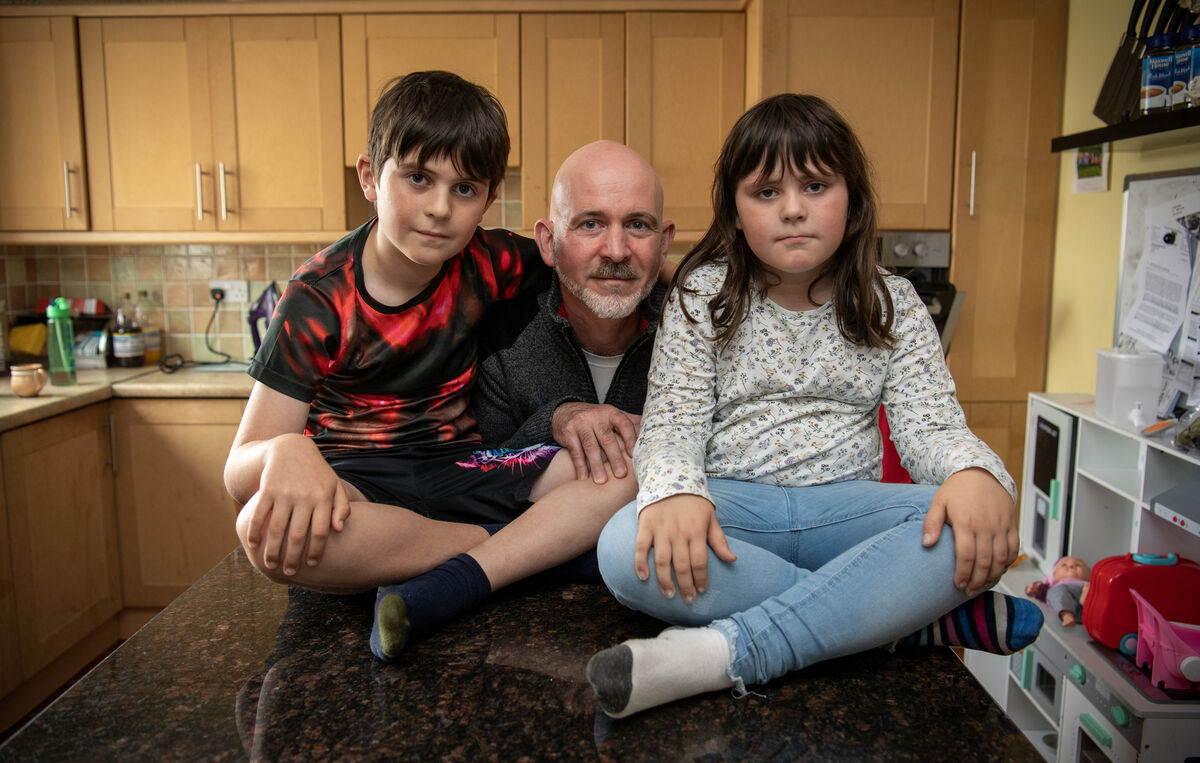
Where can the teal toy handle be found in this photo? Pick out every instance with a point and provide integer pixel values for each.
(1102, 736)
(1158, 560)
(1055, 498)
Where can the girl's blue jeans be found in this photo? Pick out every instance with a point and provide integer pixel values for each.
(821, 572)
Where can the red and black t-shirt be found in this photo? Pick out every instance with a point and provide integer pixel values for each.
(377, 376)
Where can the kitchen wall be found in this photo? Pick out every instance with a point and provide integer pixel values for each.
(177, 277)
(1087, 249)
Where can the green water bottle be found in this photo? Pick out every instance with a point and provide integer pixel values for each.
(60, 342)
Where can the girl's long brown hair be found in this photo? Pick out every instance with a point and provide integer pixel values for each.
(794, 131)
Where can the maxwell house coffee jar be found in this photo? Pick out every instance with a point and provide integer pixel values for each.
(1186, 87)
(1158, 72)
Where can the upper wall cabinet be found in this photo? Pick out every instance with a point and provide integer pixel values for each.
(42, 180)
(481, 47)
(889, 68)
(1009, 108)
(572, 93)
(670, 85)
(684, 88)
(214, 124)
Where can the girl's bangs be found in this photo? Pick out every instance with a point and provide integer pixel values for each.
(794, 145)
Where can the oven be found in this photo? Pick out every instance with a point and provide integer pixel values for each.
(1087, 735)
(1121, 717)
(1041, 670)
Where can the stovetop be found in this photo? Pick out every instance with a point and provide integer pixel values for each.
(1140, 678)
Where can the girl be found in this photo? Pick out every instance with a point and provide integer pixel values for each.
(759, 454)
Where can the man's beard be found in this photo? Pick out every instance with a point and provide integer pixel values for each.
(609, 306)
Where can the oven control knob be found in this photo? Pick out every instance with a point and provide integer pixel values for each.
(1079, 674)
(1120, 716)
(901, 249)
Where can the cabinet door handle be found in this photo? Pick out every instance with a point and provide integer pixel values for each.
(971, 202)
(67, 187)
(112, 443)
(199, 195)
(224, 205)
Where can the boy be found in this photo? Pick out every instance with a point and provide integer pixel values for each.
(362, 382)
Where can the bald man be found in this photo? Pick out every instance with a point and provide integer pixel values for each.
(567, 369)
(576, 375)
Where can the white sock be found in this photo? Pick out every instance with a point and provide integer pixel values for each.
(642, 673)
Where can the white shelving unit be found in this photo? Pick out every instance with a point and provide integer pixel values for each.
(1062, 693)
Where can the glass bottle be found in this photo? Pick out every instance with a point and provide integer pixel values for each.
(60, 343)
(126, 346)
(148, 315)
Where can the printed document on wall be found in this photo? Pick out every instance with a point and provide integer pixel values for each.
(1161, 299)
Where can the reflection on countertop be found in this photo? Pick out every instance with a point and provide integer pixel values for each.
(239, 667)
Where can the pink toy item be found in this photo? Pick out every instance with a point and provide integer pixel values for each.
(1171, 650)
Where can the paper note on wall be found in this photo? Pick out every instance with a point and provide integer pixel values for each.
(1162, 282)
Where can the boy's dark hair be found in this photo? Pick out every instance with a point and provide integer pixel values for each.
(440, 114)
(794, 131)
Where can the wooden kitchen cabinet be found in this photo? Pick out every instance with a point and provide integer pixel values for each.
(481, 47)
(890, 70)
(670, 85)
(176, 520)
(62, 533)
(685, 86)
(1006, 191)
(572, 93)
(197, 124)
(42, 176)
(10, 646)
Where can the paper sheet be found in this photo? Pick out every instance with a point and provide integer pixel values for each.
(1162, 281)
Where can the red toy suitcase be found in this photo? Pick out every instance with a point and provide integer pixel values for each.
(1169, 583)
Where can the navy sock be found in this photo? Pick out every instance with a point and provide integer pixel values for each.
(407, 611)
(584, 568)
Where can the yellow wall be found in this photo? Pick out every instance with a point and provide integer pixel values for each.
(1087, 249)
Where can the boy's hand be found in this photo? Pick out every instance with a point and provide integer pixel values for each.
(981, 512)
(593, 434)
(300, 499)
(680, 529)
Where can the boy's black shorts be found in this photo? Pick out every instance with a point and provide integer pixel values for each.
(455, 482)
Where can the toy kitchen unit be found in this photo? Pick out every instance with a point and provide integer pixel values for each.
(1103, 488)
(1123, 684)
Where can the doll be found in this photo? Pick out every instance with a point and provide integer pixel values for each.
(1063, 589)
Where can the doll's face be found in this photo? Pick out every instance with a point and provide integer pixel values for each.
(1071, 567)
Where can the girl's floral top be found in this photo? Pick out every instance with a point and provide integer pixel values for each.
(790, 402)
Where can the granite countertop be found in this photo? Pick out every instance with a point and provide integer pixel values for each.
(98, 385)
(240, 667)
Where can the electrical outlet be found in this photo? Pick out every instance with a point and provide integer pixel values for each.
(235, 291)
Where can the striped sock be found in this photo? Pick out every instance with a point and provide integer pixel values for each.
(991, 622)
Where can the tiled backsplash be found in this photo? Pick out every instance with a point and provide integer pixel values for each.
(177, 277)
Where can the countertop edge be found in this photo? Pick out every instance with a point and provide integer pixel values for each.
(97, 386)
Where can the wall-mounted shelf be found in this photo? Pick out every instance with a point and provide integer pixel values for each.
(1143, 127)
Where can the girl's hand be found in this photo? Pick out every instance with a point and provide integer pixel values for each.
(981, 512)
(300, 499)
(680, 529)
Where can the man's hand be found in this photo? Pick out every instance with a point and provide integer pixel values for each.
(300, 498)
(981, 512)
(593, 434)
(680, 529)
